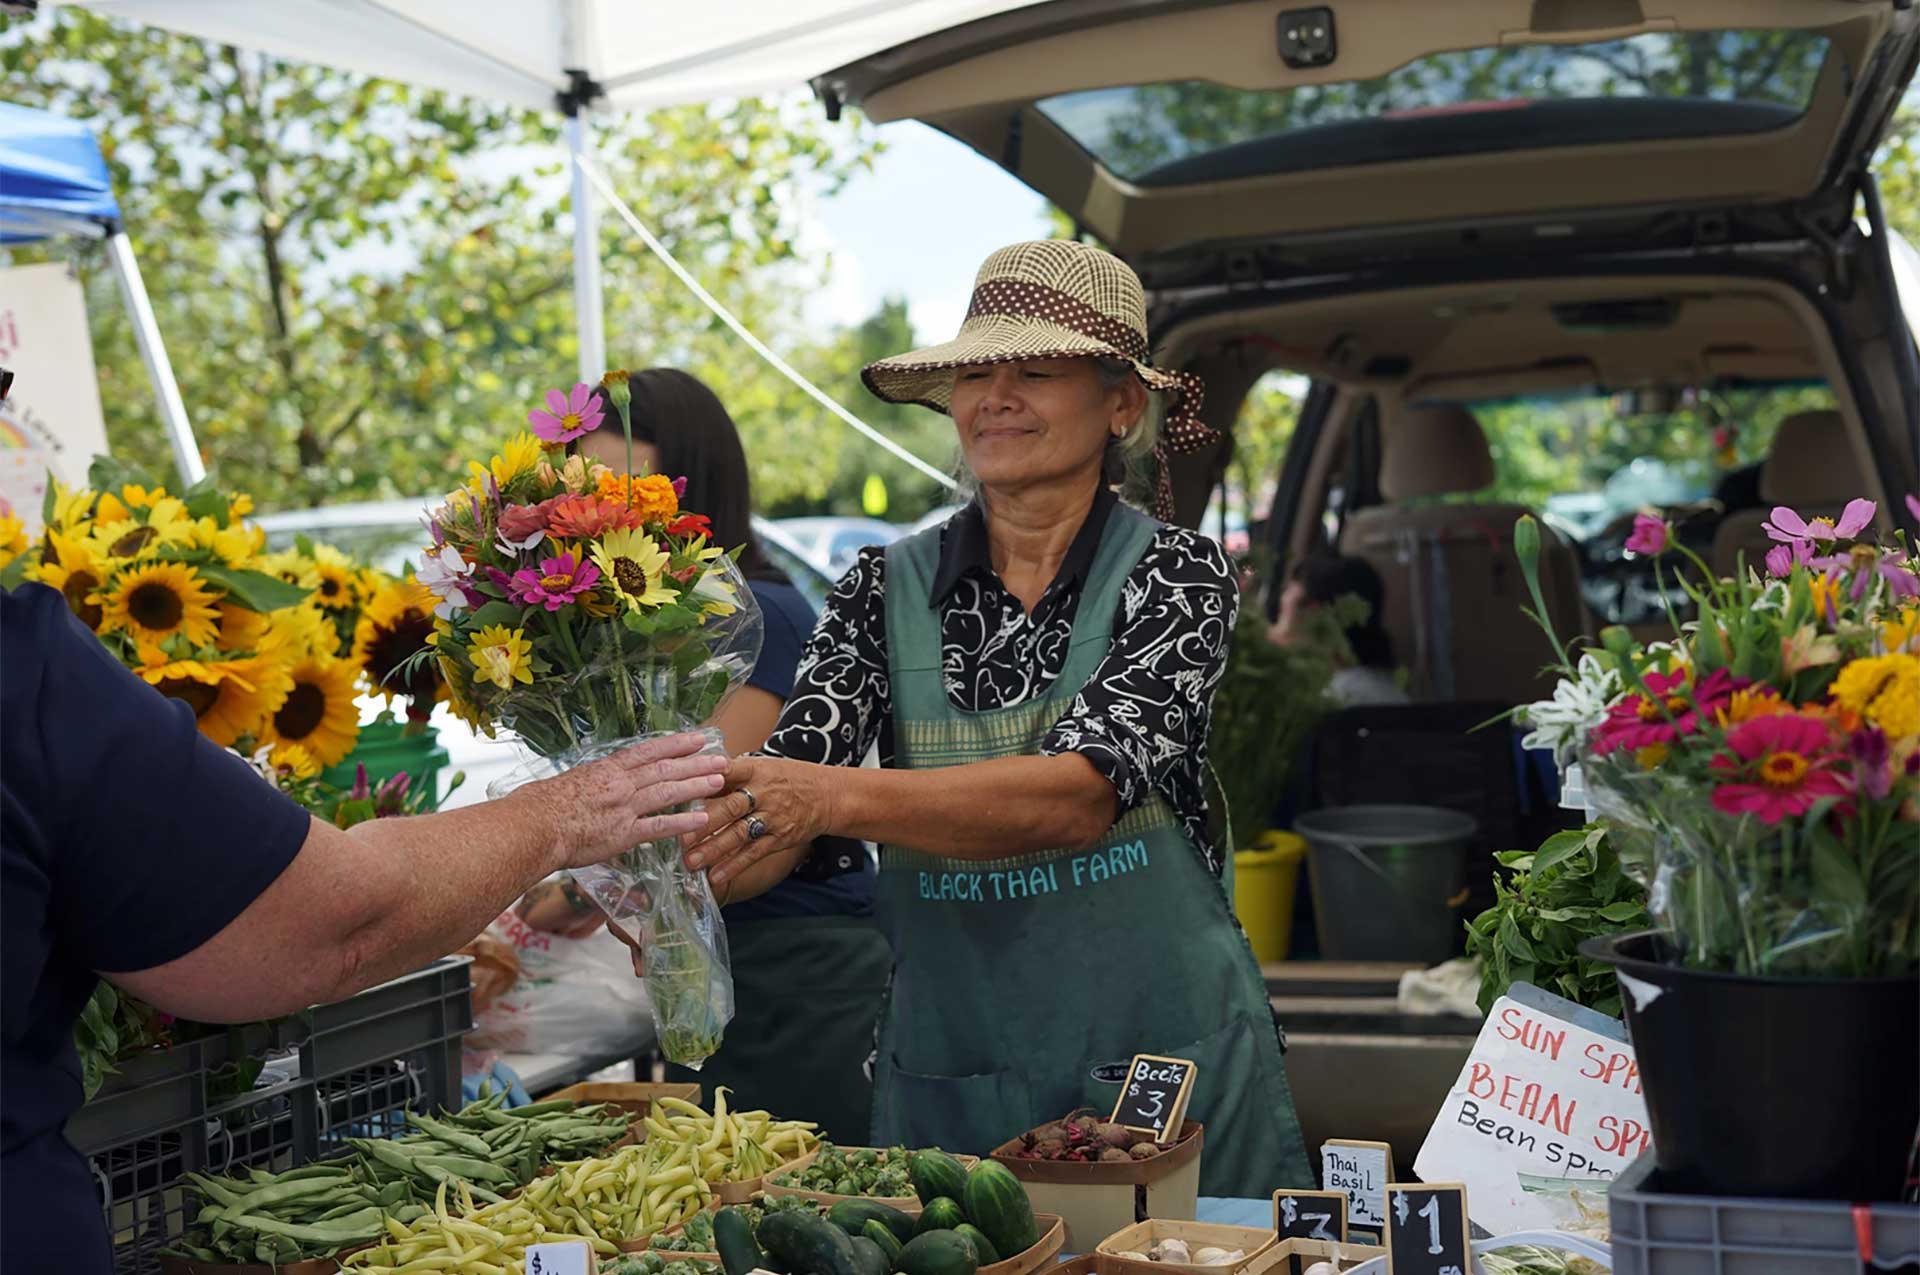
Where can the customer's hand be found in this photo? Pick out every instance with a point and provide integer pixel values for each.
(789, 802)
(558, 906)
(608, 807)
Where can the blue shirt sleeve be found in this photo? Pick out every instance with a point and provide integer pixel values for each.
(149, 837)
(789, 623)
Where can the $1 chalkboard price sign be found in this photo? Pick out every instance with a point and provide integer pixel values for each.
(1427, 1229)
(1153, 1100)
(1311, 1215)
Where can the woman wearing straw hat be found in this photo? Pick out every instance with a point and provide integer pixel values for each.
(1038, 675)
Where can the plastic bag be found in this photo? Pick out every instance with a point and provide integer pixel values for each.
(572, 996)
(634, 686)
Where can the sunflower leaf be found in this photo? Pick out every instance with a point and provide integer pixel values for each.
(254, 590)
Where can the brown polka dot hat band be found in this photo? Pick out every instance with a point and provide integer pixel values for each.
(1052, 299)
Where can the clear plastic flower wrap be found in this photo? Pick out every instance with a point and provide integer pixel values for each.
(635, 687)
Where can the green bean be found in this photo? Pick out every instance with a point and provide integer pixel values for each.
(339, 1232)
(449, 1135)
(544, 1108)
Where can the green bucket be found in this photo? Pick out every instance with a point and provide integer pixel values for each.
(385, 750)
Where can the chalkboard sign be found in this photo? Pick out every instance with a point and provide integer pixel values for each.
(1311, 1215)
(1427, 1229)
(1153, 1100)
(1361, 1171)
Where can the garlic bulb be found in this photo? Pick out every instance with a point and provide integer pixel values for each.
(1172, 1251)
(1217, 1256)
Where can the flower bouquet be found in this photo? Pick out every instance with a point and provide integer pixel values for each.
(584, 610)
(1758, 770)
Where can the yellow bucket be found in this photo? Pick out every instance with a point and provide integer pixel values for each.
(1264, 880)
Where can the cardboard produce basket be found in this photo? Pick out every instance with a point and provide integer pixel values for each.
(634, 1098)
(1252, 1241)
(1096, 1199)
(1285, 1257)
(906, 1203)
(170, 1265)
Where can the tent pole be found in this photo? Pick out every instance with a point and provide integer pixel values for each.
(588, 312)
(186, 452)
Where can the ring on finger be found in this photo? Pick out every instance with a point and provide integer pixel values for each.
(756, 828)
(753, 802)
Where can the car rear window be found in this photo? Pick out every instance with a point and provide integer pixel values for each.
(1649, 87)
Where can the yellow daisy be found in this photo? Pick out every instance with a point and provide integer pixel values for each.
(635, 567)
(319, 713)
(239, 506)
(70, 564)
(522, 454)
(335, 576)
(394, 627)
(459, 689)
(157, 600)
(229, 698)
(1902, 632)
(233, 544)
(501, 656)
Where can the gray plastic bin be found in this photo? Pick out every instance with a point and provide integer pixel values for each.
(1657, 1232)
(1387, 881)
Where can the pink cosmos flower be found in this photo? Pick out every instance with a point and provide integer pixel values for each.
(574, 413)
(1789, 526)
(1872, 773)
(1782, 559)
(1649, 535)
(558, 581)
(1777, 768)
(1636, 721)
(1867, 562)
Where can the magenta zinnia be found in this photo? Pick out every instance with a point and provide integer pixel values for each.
(1638, 722)
(1777, 767)
(558, 581)
(574, 413)
(1649, 535)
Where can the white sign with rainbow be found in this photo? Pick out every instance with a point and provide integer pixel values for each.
(52, 418)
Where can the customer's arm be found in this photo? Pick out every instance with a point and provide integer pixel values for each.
(356, 908)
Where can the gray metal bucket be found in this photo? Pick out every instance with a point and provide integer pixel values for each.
(1387, 880)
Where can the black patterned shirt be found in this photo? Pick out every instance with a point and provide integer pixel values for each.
(1142, 717)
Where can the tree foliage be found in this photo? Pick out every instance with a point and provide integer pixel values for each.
(361, 283)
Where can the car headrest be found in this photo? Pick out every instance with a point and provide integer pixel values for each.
(1811, 462)
(1432, 449)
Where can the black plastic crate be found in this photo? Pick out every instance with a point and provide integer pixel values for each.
(427, 1013)
(1660, 1232)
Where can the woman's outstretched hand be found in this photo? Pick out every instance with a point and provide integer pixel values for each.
(789, 803)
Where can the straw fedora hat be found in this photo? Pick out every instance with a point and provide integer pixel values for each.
(1052, 299)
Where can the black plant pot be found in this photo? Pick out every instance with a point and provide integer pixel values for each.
(1775, 1087)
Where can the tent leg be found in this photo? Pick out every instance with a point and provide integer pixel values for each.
(186, 452)
(588, 311)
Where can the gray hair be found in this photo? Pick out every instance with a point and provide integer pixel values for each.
(1126, 459)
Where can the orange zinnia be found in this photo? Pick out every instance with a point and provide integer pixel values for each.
(589, 517)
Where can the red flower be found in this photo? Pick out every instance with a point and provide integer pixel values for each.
(523, 523)
(1649, 535)
(1638, 722)
(687, 525)
(1778, 767)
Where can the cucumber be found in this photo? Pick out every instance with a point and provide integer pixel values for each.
(941, 1214)
(982, 1246)
(938, 1253)
(733, 1240)
(872, 1258)
(810, 1245)
(998, 1205)
(934, 1174)
(882, 1234)
(852, 1216)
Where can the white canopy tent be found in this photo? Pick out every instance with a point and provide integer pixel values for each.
(575, 56)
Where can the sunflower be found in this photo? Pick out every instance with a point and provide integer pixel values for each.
(393, 630)
(241, 629)
(292, 566)
(232, 544)
(319, 712)
(167, 523)
(336, 578)
(229, 698)
(635, 567)
(156, 601)
(69, 564)
(72, 507)
(295, 632)
(293, 760)
(13, 538)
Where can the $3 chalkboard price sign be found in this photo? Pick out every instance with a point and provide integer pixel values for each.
(1153, 1099)
(1311, 1215)
(1427, 1229)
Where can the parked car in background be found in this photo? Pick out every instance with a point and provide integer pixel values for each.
(389, 533)
(834, 542)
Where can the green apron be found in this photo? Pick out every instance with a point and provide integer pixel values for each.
(1021, 986)
(806, 993)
